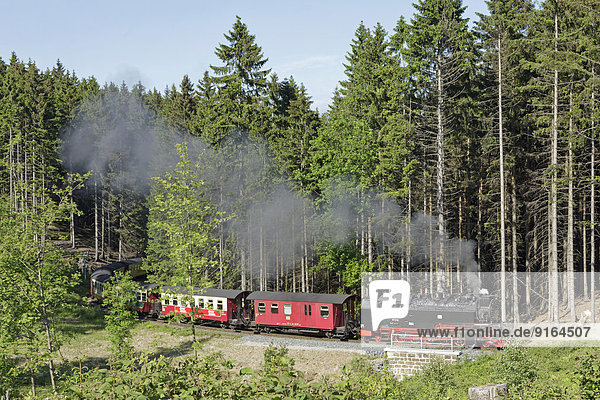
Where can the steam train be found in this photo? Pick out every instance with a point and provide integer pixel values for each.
(438, 321)
(330, 315)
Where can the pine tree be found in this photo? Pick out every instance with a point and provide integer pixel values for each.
(439, 47)
(241, 85)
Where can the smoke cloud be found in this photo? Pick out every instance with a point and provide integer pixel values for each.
(126, 144)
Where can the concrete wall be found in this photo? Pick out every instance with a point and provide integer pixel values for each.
(406, 362)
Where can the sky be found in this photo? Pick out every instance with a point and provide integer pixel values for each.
(158, 42)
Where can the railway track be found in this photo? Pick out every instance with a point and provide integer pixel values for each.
(212, 328)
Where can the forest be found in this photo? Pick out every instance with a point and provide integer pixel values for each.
(450, 145)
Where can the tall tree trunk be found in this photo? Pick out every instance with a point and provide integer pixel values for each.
(528, 276)
(515, 253)
(45, 318)
(103, 233)
(72, 218)
(11, 183)
(593, 214)
(440, 158)
(479, 226)
(96, 255)
(120, 227)
(431, 260)
(242, 268)
(370, 239)
(570, 217)
(293, 248)
(502, 192)
(261, 255)
(553, 267)
(584, 251)
(305, 245)
(250, 252)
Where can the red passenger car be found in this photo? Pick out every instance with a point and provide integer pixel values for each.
(216, 305)
(331, 314)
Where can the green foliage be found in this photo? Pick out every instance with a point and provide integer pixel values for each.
(516, 369)
(36, 278)
(121, 297)
(588, 374)
(345, 260)
(277, 360)
(182, 220)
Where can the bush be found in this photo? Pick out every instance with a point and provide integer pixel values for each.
(588, 374)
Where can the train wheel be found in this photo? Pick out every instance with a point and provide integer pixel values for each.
(329, 335)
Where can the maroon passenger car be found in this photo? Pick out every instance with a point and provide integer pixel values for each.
(210, 305)
(330, 314)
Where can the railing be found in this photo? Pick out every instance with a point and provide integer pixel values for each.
(414, 341)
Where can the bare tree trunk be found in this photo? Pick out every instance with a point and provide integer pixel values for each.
(553, 267)
(370, 239)
(103, 233)
(242, 268)
(72, 219)
(305, 244)
(527, 277)
(570, 223)
(460, 235)
(293, 245)
(45, 319)
(440, 158)
(120, 228)
(479, 226)
(515, 253)
(431, 272)
(108, 227)
(408, 234)
(11, 184)
(593, 215)
(96, 255)
(584, 251)
(362, 223)
(250, 258)
(502, 192)
(221, 241)
(260, 256)
(220, 256)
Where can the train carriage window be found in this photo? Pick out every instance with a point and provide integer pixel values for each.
(174, 301)
(324, 311)
(211, 304)
(200, 303)
(287, 309)
(308, 309)
(220, 305)
(262, 308)
(144, 297)
(274, 308)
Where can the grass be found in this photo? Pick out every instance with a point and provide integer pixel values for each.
(529, 373)
(535, 372)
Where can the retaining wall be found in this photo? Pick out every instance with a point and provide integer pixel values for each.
(406, 362)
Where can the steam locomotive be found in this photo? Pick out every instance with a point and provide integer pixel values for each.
(330, 315)
(437, 321)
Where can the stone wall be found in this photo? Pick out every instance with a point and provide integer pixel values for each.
(406, 362)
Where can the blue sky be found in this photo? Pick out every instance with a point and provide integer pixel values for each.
(157, 42)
